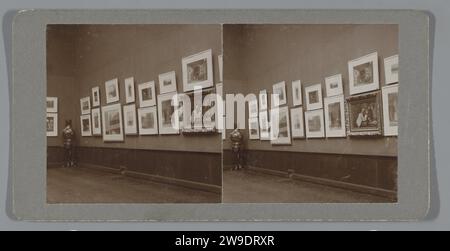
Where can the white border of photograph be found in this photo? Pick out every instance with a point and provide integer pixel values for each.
(130, 130)
(316, 105)
(297, 133)
(114, 83)
(273, 119)
(391, 78)
(175, 128)
(388, 129)
(54, 108)
(334, 91)
(296, 88)
(146, 103)
(146, 131)
(96, 131)
(172, 87)
(95, 90)
(83, 133)
(375, 85)
(250, 127)
(332, 133)
(279, 85)
(192, 58)
(263, 100)
(130, 95)
(253, 108)
(116, 137)
(220, 62)
(53, 133)
(88, 110)
(319, 134)
(264, 134)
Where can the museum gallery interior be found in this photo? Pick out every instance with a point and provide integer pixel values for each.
(123, 125)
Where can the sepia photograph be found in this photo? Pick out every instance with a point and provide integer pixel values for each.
(334, 116)
(253, 127)
(313, 97)
(279, 94)
(363, 74)
(197, 71)
(298, 130)
(112, 90)
(85, 105)
(96, 122)
(124, 78)
(333, 85)
(52, 104)
(129, 115)
(130, 96)
(52, 124)
(95, 96)
(167, 82)
(264, 126)
(148, 121)
(322, 150)
(390, 107)
(391, 69)
(147, 94)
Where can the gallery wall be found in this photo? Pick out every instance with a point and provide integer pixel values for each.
(143, 52)
(269, 54)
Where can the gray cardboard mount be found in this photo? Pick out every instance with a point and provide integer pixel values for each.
(28, 145)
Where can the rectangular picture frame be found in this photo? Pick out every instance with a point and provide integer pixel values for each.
(297, 123)
(52, 124)
(280, 127)
(335, 124)
(112, 124)
(130, 95)
(85, 125)
(390, 110)
(112, 91)
(130, 121)
(52, 104)
(147, 94)
(363, 74)
(314, 124)
(165, 113)
(167, 82)
(194, 72)
(96, 122)
(85, 105)
(148, 120)
(313, 94)
(333, 85)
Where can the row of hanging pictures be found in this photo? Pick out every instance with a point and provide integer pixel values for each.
(366, 112)
(155, 112)
(52, 117)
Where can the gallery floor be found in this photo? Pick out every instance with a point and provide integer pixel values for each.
(249, 186)
(85, 185)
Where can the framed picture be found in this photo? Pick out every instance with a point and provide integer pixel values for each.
(219, 92)
(363, 74)
(253, 108)
(280, 126)
(253, 128)
(52, 104)
(96, 122)
(333, 85)
(167, 82)
(197, 71)
(364, 114)
(148, 121)
(264, 126)
(199, 118)
(279, 90)
(391, 69)
(95, 96)
(112, 90)
(220, 62)
(390, 108)
(86, 129)
(130, 96)
(335, 116)
(129, 116)
(52, 124)
(263, 100)
(298, 130)
(297, 93)
(85, 104)
(314, 124)
(313, 97)
(147, 94)
(112, 123)
(168, 113)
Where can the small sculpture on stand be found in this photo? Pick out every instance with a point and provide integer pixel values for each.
(69, 140)
(237, 138)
